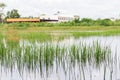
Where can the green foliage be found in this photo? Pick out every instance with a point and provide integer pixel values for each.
(2, 5)
(76, 22)
(46, 54)
(13, 14)
(117, 23)
(41, 36)
(87, 20)
(105, 22)
(96, 33)
(1, 36)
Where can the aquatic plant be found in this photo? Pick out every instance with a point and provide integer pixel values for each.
(42, 57)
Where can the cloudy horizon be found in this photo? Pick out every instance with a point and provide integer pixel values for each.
(83, 8)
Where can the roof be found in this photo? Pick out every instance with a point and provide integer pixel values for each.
(23, 20)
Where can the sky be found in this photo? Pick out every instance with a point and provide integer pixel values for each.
(84, 8)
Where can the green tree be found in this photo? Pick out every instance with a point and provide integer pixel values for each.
(105, 22)
(13, 14)
(87, 22)
(2, 6)
(77, 20)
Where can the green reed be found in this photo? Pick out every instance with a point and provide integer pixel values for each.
(44, 56)
(96, 33)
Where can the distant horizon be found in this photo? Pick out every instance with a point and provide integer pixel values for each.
(84, 8)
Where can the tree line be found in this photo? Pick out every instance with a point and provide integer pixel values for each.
(97, 22)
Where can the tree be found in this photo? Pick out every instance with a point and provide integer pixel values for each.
(2, 6)
(13, 14)
(106, 22)
(87, 22)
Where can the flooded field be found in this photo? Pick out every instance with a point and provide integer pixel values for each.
(84, 58)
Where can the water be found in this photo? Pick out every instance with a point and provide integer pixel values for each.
(58, 62)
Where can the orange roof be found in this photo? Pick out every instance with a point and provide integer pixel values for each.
(23, 20)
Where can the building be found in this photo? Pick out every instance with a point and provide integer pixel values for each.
(9, 20)
(65, 18)
(45, 18)
(57, 18)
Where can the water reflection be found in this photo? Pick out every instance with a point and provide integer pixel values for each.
(71, 59)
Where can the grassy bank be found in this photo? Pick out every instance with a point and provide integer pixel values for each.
(96, 33)
(57, 32)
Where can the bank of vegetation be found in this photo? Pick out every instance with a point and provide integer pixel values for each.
(76, 22)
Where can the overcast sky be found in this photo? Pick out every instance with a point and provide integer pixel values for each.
(83, 8)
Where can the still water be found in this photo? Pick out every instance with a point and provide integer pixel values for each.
(62, 65)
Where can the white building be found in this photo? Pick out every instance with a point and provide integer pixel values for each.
(57, 18)
(65, 18)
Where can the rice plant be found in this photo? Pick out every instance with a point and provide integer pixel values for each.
(45, 56)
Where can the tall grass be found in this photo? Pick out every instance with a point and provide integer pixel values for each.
(1, 36)
(27, 24)
(41, 36)
(32, 57)
(13, 31)
(96, 33)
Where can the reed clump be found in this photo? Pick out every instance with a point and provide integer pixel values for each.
(44, 55)
(47, 57)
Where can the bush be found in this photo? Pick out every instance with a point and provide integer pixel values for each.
(106, 22)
